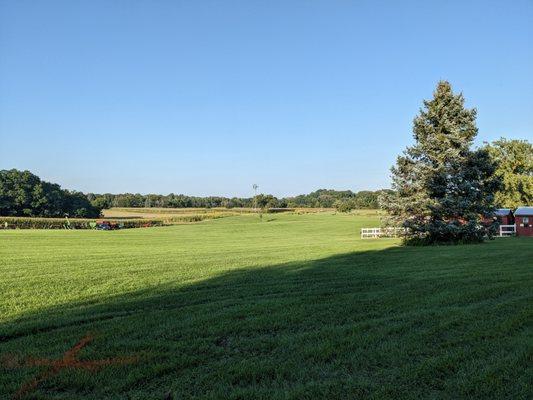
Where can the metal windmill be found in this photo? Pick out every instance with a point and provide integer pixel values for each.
(255, 187)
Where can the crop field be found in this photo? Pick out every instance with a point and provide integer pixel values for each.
(285, 307)
(162, 213)
(153, 212)
(123, 217)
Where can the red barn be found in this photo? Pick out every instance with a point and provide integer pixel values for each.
(504, 216)
(524, 221)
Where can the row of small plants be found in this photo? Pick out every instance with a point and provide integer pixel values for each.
(72, 223)
(81, 223)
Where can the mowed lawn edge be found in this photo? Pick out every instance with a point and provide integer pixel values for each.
(326, 315)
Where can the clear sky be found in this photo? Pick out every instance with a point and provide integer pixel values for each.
(208, 97)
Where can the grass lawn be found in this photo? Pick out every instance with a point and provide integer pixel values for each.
(290, 307)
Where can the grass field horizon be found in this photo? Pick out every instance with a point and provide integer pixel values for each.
(290, 306)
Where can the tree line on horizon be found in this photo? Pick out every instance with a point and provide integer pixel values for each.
(344, 200)
(25, 194)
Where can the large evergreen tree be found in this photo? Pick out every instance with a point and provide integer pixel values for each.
(443, 188)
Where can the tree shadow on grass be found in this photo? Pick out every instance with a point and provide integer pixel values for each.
(397, 323)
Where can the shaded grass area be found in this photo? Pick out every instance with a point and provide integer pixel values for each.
(294, 308)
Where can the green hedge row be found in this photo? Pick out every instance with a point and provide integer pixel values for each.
(73, 223)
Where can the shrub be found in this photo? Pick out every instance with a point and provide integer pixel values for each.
(344, 205)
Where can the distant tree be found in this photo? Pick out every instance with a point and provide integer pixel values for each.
(514, 160)
(322, 198)
(102, 202)
(24, 194)
(443, 188)
(366, 199)
(77, 205)
(147, 202)
(344, 205)
(265, 201)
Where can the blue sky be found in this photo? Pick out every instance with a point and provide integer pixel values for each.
(209, 97)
